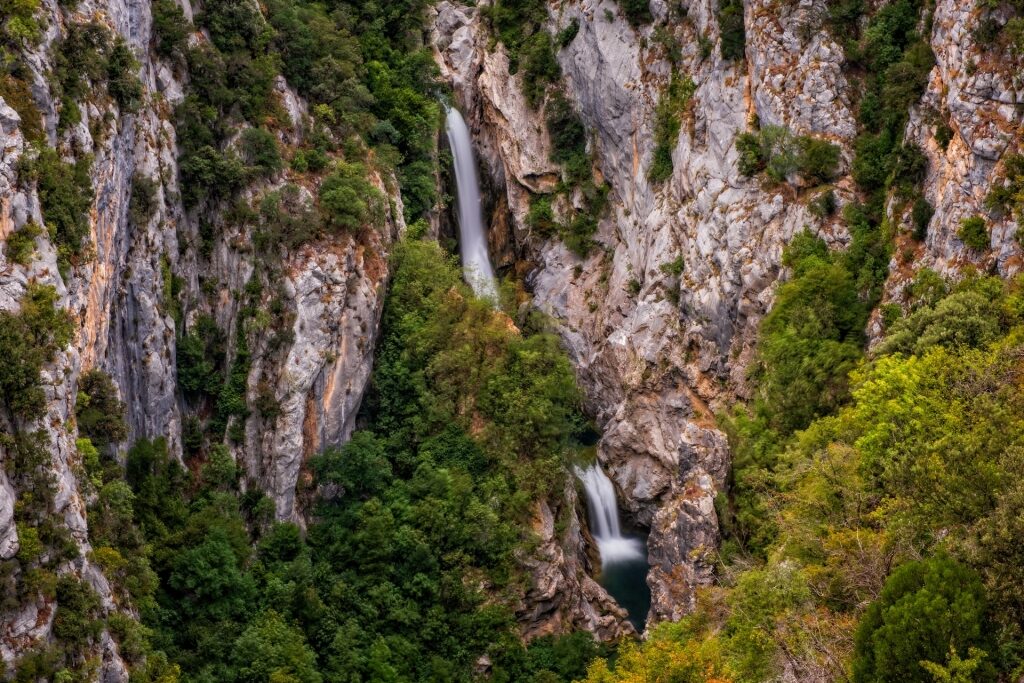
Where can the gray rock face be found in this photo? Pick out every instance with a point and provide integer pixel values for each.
(659, 354)
(977, 94)
(125, 324)
(654, 370)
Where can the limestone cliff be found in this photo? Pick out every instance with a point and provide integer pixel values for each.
(127, 324)
(660, 348)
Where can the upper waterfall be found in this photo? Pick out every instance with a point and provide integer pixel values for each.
(604, 518)
(476, 264)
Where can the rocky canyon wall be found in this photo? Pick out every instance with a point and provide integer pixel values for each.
(660, 349)
(128, 315)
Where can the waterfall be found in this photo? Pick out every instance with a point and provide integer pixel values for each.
(476, 264)
(604, 518)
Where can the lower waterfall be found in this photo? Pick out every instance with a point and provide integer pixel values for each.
(623, 557)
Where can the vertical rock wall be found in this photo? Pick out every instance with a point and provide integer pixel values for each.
(659, 354)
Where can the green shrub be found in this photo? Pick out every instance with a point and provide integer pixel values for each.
(201, 354)
(261, 151)
(925, 609)
(122, 79)
(811, 338)
(77, 621)
(974, 233)
(28, 339)
(209, 175)
(170, 29)
(142, 204)
(541, 217)
(21, 244)
(778, 153)
(65, 196)
(287, 218)
(18, 96)
(730, 25)
(348, 201)
(540, 68)
(638, 12)
(99, 412)
(818, 160)
(514, 22)
(568, 34)
(667, 122)
(824, 204)
(920, 216)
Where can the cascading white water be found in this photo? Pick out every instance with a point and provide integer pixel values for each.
(604, 518)
(476, 264)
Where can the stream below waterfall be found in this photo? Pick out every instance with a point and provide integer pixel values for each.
(623, 555)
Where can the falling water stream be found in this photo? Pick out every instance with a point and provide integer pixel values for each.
(623, 557)
(476, 265)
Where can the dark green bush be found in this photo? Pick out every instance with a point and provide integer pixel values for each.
(261, 151)
(18, 96)
(65, 195)
(122, 79)
(667, 122)
(142, 204)
(348, 201)
(568, 34)
(540, 68)
(731, 28)
(926, 609)
(28, 339)
(287, 218)
(209, 175)
(818, 160)
(170, 29)
(541, 217)
(99, 412)
(568, 136)
(824, 204)
(638, 12)
(974, 233)
(21, 244)
(201, 358)
(920, 216)
(78, 618)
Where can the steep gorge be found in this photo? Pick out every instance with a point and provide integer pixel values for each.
(660, 319)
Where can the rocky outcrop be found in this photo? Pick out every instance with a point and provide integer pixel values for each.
(657, 352)
(563, 596)
(975, 93)
(127, 325)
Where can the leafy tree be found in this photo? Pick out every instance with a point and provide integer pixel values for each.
(347, 200)
(271, 651)
(98, 410)
(926, 609)
(974, 233)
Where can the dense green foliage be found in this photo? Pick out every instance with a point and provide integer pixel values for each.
(98, 410)
(361, 67)
(974, 233)
(28, 339)
(65, 195)
(638, 12)
(927, 610)
(409, 568)
(778, 153)
(731, 29)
